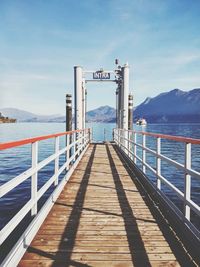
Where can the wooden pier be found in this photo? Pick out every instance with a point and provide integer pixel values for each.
(103, 217)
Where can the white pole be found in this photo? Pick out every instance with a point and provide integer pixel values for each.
(83, 104)
(158, 162)
(56, 168)
(117, 95)
(125, 93)
(125, 87)
(187, 191)
(78, 76)
(34, 178)
(143, 153)
(121, 104)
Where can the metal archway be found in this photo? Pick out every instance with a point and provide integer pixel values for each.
(124, 100)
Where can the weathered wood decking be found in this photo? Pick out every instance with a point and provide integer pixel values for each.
(101, 219)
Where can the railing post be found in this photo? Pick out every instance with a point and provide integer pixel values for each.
(143, 153)
(129, 144)
(187, 191)
(86, 132)
(119, 139)
(79, 142)
(68, 150)
(34, 178)
(125, 141)
(75, 145)
(56, 168)
(158, 162)
(82, 139)
(90, 135)
(135, 147)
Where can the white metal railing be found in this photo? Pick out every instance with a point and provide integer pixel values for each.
(76, 144)
(128, 141)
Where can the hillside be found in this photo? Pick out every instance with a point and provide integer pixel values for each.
(25, 116)
(173, 106)
(101, 114)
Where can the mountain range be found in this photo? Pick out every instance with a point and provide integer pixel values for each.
(173, 106)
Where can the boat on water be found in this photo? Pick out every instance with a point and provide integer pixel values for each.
(142, 122)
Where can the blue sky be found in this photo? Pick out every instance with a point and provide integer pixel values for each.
(41, 41)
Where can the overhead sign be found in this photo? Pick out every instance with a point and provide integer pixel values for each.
(99, 75)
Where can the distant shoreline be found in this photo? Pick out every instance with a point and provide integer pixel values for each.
(7, 119)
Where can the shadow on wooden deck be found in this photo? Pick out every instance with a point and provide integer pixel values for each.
(136, 246)
(170, 236)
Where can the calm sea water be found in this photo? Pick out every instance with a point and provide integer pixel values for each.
(15, 161)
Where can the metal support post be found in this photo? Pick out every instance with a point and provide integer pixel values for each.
(68, 154)
(34, 178)
(129, 144)
(117, 123)
(75, 145)
(56, 168)
(135, 147)
(68, 112)
(78, 93)
(68, 124)
(83, 103)
(125, 88)
(187, 191)
(124, 98)
(130, 112)
(158, 162)
(143, 153)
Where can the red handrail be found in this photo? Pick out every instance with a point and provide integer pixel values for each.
(171, 137)
(32, 140)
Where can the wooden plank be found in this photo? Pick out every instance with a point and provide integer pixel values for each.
(100, 256)
(48, 263)
(100, 219)
(100, 243)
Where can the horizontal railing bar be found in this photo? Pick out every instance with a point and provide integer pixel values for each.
(34, 139)
(193, 206)
(51, 180)
(170, 137)
(171, 161)
(20, 247)
(10, 226)
(180, 194)
(46, 186)
(118, 137)
(161, 156)
(8, 186)
(175, 189)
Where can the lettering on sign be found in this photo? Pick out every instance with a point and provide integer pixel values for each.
(101, 75)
